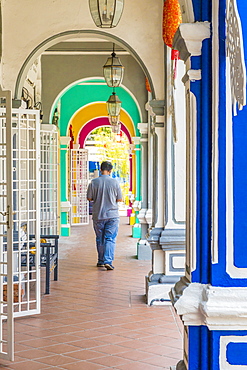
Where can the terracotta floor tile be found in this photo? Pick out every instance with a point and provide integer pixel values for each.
(56, 360)
(112, 349)
(28, 365)
(135, 355)
(34, 354)
(99, 319)
(137, 366)
(87, 343)
(111, 361)
(84, 355)
(136, 344)
(84, 365)
(62, 338)
(60, 348)
(160, 361)
(39, 342)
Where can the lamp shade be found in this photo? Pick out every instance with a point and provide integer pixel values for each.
(114, 120)
(116, 129)
(113, 105)
(106, 13)
(113, 71)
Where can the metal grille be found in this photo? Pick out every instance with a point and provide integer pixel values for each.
(6, 235)
(49, 180)
(26, 211)
(79, 183)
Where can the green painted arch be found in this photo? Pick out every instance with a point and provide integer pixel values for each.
(93, 91)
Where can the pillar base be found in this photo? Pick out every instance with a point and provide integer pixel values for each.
(180, 366)
(158, 287)
(144, 251)
(136, 231)
(65, 230)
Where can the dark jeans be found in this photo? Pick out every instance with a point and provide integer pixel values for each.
(106, 233)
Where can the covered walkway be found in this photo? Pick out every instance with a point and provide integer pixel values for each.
(97, 319)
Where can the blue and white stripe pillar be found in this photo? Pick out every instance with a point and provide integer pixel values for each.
(212, 298)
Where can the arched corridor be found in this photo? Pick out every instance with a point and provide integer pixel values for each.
(97, 319)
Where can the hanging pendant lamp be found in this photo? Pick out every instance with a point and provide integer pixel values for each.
(113, 70)
(116, 129)
(113, 105)
(114, 120)
(106, 13)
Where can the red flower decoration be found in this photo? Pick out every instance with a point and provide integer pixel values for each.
(148, 85)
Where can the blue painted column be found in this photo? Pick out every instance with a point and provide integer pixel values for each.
(212, 298)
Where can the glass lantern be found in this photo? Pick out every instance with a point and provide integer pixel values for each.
(113, 71)
(106, 13)
(113, 105)
(116, 129)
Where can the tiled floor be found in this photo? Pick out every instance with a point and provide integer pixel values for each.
(97, 319)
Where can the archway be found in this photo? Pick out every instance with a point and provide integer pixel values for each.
(100, 122)
(63, 36)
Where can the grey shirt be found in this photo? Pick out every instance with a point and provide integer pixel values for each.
(104, 191)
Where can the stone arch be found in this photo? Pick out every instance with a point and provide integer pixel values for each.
(52, 40)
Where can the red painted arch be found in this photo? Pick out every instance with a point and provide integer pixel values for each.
(93, 124)
(98, 122)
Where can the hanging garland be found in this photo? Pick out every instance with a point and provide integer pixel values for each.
(172, 18)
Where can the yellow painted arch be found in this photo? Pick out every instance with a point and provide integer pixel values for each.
(92, 111)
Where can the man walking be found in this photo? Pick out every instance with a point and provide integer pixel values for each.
(105, 193)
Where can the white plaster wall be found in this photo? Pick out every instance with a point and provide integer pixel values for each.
(180, 146)
(27, 23)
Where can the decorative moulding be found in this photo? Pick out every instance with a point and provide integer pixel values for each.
(149, 216)
(218, 308)
(192, 75)
(188, 38)
(137, 205)
(158, 107)
(187, 11)
(48, 127)
(143, 128)
(149, 109)
(224, 308)
(172, 239)
(65, 140)
(65, 206)
(136, 140)
(154, 237)
(141, 216)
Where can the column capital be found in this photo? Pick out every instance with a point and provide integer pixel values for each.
(154, 237)
(65, 140)
(219, 308)
(192, 75)
(188, 38)
(157, 106)
(172, 239)
(136, 140)
(141, 216)
(143, 128)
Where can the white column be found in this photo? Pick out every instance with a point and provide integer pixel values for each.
(160, 165)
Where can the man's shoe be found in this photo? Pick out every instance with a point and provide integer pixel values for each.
(108, 266)
(99, 264)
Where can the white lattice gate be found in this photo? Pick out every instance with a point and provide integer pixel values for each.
(78, 187)
(49, 179)
(19, 219)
